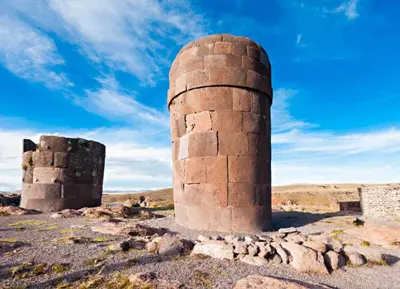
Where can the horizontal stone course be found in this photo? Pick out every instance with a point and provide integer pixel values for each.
(62, 173)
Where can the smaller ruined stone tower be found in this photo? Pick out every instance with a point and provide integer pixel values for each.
(62, 173)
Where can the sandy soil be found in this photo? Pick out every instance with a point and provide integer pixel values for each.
(39, 246)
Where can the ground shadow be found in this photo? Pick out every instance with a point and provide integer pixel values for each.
(298, 219)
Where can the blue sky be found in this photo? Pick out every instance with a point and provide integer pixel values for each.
(99, 70)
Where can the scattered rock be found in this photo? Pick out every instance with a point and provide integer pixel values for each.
(15, 211)
(264, 282)
(316, 246)
(140, 278)
(240, 247)
(229, 238)
(304, 259)
(276, 259)
(355, 259)
(172, 245)
(371, 254)
(295, 238)
(334, 260)
(202, 238)
(281, 252)
(10, 200)
(252, 250)
(290, 230)
(129, 203)
(67, 213)
(255, 261)
(265, 238)
(152, 246)
(214, 249)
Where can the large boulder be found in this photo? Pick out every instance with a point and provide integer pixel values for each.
(316, 246)
(304, 259)
(380, 232)
(355, 258)
(255, 261)
(264, 282)
(373, 255)
(172, 245)
(214, 249)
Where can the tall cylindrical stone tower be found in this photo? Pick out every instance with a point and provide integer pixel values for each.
(219, 100)
(62, 173)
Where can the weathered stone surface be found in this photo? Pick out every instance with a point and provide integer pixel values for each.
(304, 259)
(63, 173)
(380, 201)
(316, 246)
(255, 261)
(219, 98)
(263, 282)
(281, 252)
(373, 255)
(214, 249)
(355, 258)
(333, 260)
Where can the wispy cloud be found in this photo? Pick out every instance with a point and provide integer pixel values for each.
(282, 119)
(349, 9)
(134, 36)
(30, 54)
(113, 102)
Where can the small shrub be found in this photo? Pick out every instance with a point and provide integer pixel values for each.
(24, 167)
(27, 223)
(202, 279)
(339, 232)
(30, 161)
(365, 244)
(60, 268)
(8, 240)
(4, 214)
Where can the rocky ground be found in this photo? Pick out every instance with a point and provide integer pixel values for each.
(95, 251)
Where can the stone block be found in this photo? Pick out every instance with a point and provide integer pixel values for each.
(205, 49)
(223, 48)
(242, 99)
(28, 145)
(243, 169)
(254, 80)
(250, 63)
(263, 195)
(97, 192)
(233, 61)
(223, 121)
(259, 145)
(236, 77)
(41, 191)
(198, 122)
(190, 101)
(260, 103)
(178, 193)
(193, 194)
(253, 52)
(229, 38)
(195, 171)
(61, 160)
(197, 78)
(51, 175)
(183, 152)
(239, 49)
(194, 64)
(77, 191)
(241, 194)
(178, 128)
(264, 170)
(253, 123)
(233, 143)
(216, 169)
(44, 205)
(215, 98)
(187, 54)
(180, 84)
(215, 194)
(42, 158)
(203, 144)
(219, 76)
(175, 149)
(214, 61)
(181, 215)
(179, 169)
(248, 219)
(27, 175)
(197, 217)
(55, 144)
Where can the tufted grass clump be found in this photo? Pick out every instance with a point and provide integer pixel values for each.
(60, 268)
(27, 223)
(50, 228)
(24, 167)
(8, 240)
(28, 270)
(202, 279)
(100, 239)
(338, 232)
(365, 244)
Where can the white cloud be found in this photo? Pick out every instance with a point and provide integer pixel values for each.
(349, 9)
(134, 36)
(112, 102)
(282, 120)
(30, 54)
(298, 39)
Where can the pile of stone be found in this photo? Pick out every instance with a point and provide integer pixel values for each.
(318, 254)
(120, 211)
(10, 199)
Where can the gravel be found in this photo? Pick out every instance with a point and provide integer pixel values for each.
(40, 247)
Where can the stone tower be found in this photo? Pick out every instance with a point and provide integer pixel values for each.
(219, 100)
(62, 173)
